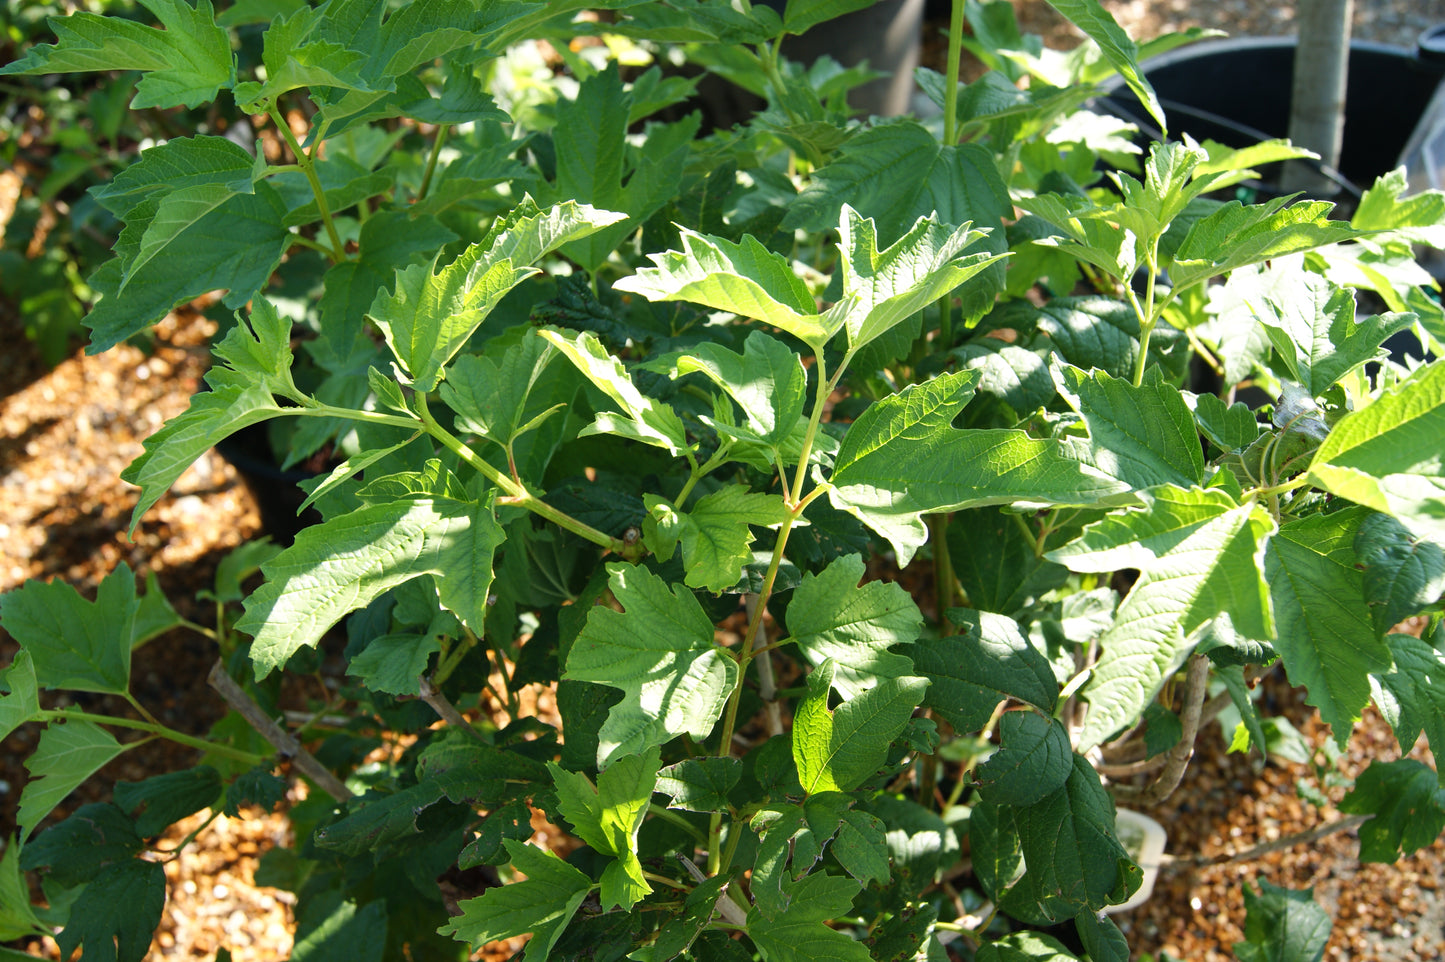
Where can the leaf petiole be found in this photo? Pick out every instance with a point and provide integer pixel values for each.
(155, 728)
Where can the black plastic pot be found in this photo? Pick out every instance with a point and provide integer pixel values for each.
(275, 491)
(1238, 93)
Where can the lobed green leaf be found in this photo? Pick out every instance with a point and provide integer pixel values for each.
(659, 650)
(185, 63)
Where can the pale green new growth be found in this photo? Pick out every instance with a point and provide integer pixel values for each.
(645, 420)
(1199, 554)
(902, 459)
(608, 816)
(1389, 456)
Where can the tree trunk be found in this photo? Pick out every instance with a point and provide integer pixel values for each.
(1317, 107)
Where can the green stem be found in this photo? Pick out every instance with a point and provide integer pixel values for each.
(454, 657)
(734, 837)
(201, 630)
(155, 728)
(668, 815)
(431, 162)
(513, 492)
(768, 57)
(175, 853)
(950, 91)
(307, 163)
(674, 883)
(1277, 489)
(316, 409)
(796, 505)
(301, 240)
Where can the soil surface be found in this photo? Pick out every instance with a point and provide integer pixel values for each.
(66, 434)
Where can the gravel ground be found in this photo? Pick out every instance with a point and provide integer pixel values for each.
(66, 434)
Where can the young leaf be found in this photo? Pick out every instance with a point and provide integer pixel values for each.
(347, 562)
(292, 61)
(212, 416)
(902, 459)
(1232, 427)
(491, 395)
(700, 784)
(1199, 554)
(831, 617)
(542, 905)
(236, 246)
(1034, 759)
(800, 935)
(715, 532)
(21, 703)
(1311, 322)
(745, 278)
(837, 750)
(184, 64)
(972, 672)
(1090, 233)
(1407, 802)
(1404, 575)
(645, 420)
(1236, 236)
(1143, 435)
(607, 818)
(1419, 218)
(258, 352)
(767, 381)
(1387, 456)
(660, 652)
(1100, 26)
(432, 313)
(1282, 925)
(76, 644)
(1411, 695)
(529, 232)
(117, 913)
(1325, 636)
(67, 755)
(881, 289)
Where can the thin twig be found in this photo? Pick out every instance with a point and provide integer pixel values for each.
(280, 739)
(1288, 841)
(1142, 767)
(445, 709)
(1196, 686)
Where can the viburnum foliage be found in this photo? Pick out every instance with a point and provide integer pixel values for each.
(639, 403)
